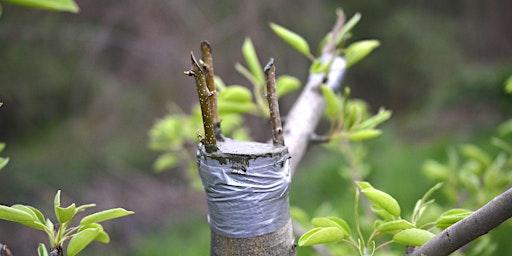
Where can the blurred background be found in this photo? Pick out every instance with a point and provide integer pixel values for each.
(81, 91)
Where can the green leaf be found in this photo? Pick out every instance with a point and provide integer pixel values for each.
(34, 222)
(3, 162)
(41, 250)
(347, 28)
(505, 128)
(219, 83)
(102, 237)
(332, 222)
(395, 225)
(235, 93)
(299, 215)
(81, 239)
(292, 38)
(375, 120)
(15, 215)
(2, 146)
(333, 103)
(451, 217)
(359, 50)
(38, 214)
(286, 84)
(321, 236)
(165, 161)
(364, 134)
(252, 61)
(319, 67)
(56, 199)
(105, 215)
(384, 200)
(65, 215)
(508, 85)
(364, 184)
(435, 170)
(413, 236)
(53, 5)
(476, 153)
(226, 108)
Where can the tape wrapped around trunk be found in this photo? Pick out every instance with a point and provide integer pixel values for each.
(246, 185)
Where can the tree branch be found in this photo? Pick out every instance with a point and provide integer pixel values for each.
(307, 110)
(470, 228)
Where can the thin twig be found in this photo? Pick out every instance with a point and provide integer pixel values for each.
(207, 59)
(204, 94)
(330, 46)
(273, 104)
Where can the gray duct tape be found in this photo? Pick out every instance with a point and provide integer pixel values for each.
(246, 185)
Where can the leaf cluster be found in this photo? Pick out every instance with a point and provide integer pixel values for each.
(408, 232)
(88, 230)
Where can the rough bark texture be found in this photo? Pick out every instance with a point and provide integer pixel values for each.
(278, 243)
(479, 223)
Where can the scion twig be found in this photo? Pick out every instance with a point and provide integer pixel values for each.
(273, 104)
(207, 66)
(204, 101)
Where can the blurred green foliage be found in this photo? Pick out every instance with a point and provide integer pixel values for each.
(81, 91)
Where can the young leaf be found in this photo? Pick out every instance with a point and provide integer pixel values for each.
(3, 162)
(508, 85)
(105, 215)
(359, 50)
(364, 134)
(333, 103)
(252, 61)
(102, 236)
(2, 146)
(226, 107)
(15, 215)
(395, 225)
(81, 239)
(349, 25)
(319, 67)
(165, 161)
(56, 200)
(363, 184)
(450, 217)
(375, 120)
(292, 38)
(41, 250)
(321, 236)
(65, 214)
(286, 84)
(384, 200)
(413, 236)
(476, 153)
(235, 93)
(53, 5)
(435, 170)
(332, 222)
